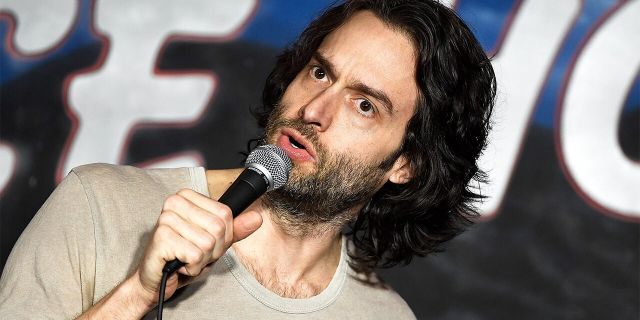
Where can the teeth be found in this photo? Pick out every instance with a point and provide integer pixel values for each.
(295, 143)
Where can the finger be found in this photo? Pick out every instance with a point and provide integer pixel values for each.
(175, 246)
(211, 221)
(183, 281)
(205, 241)
(221, 210)
(211, 206)
(245, 224)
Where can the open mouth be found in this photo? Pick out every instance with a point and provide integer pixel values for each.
(295, 143)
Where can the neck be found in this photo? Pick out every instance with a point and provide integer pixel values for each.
(287, 263)
(283, 259)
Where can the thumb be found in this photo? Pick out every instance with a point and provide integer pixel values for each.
(245, 224)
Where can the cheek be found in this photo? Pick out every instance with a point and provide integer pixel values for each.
(291, 99)
(297, 88)
(373, 145)
(350, 141)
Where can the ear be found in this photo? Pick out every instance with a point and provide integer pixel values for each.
(401, 172)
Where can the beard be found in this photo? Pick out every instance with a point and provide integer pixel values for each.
(330, 196)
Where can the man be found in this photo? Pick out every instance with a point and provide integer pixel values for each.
(383, 107)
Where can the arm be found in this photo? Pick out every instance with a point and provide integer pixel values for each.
(192, 228)
(50, 270)
(126, 301)
(51, 267)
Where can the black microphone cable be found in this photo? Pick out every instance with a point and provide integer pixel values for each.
(163, 286)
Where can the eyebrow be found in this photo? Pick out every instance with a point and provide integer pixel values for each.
(358, 85)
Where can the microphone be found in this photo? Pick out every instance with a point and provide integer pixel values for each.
(267, 168)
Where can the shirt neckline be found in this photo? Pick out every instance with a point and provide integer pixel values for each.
(288, 305)
(266, 296)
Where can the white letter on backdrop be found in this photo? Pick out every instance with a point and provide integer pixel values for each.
(125, 90)
(521, 67)
(595, 96)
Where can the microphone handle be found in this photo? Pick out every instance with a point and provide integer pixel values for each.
(248, 187)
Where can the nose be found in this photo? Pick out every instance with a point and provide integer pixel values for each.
(321, 109)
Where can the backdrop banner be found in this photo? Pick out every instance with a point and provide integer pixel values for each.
(160, 83)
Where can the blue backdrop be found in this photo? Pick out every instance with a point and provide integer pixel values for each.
(166, 83)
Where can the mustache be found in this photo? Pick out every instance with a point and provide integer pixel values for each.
(305, 129)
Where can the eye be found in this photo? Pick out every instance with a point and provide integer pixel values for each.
(365, 107)
(318, 73)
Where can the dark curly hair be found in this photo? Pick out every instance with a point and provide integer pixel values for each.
(443, 140)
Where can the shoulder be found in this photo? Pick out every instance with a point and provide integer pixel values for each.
(120, 179)
(372, 298)
(123, 196)
(368, 294)
(109, 173)
(113, 190)
(375, 297)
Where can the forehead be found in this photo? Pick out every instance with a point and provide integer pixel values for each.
(367, 50)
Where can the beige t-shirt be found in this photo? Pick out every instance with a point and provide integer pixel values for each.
(90, 235)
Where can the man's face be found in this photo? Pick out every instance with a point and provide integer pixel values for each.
(346, 112)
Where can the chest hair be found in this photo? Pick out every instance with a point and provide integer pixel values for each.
(277, 282)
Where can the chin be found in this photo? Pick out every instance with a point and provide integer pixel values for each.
(302, 169)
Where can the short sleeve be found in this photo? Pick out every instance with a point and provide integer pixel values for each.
(50, 271)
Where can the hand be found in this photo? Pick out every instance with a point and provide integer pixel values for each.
(195, 230)
(191, 228)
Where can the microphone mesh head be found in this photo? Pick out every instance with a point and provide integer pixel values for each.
(274, 161)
